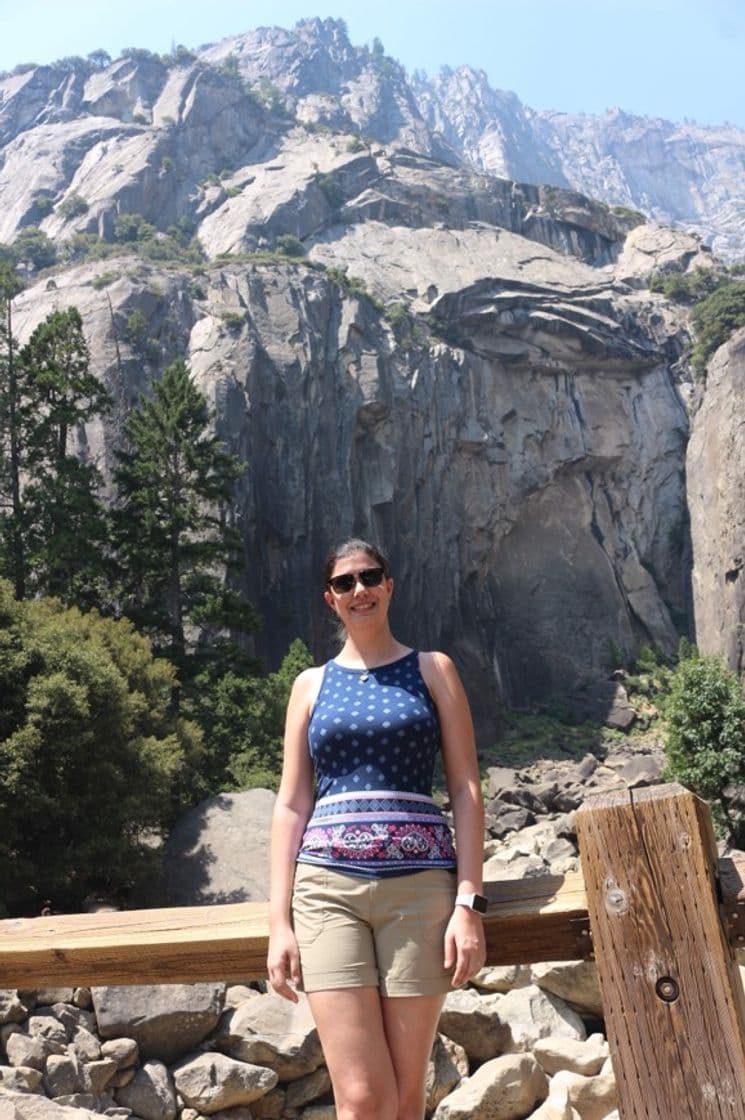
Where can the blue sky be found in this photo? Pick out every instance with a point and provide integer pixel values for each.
(671, 58)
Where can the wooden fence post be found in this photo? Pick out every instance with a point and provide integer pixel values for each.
(672, 996)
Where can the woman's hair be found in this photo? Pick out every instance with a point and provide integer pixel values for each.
(346, 549)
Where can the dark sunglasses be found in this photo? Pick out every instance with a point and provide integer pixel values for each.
(368, 577)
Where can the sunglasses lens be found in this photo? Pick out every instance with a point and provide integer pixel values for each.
(342, 584)
(368, 577)
(371, 577)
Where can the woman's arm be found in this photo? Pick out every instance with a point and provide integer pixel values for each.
(291, 812)
(464, 939)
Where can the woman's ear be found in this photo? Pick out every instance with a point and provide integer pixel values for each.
(330, 602)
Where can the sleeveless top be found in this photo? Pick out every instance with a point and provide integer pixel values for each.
(374, 735)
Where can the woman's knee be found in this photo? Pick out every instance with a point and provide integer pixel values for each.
(367, 1102)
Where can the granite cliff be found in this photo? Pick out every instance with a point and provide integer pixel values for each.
(467, 367)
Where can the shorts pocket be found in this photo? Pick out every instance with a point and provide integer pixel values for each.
(309, 903)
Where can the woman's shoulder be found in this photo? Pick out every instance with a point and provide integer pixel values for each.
(435, 661)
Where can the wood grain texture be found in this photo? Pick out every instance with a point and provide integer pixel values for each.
(673, 1001)
(529, 920)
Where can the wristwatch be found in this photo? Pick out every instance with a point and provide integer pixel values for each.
(475, 902)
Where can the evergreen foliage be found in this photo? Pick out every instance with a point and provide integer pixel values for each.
(242, 717)
(173, 482)
(705, 737)
(52, 526)
(91, 757)
(716, 318)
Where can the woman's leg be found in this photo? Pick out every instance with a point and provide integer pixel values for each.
(410, 1024)
(353, 1036)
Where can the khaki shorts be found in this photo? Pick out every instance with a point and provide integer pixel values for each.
(389, 933)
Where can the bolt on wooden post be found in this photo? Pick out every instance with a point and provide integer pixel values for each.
(672, 996)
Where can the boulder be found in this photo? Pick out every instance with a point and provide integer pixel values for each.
(97, 1075)
(505, 1088)
(272, 1032)
(82, 998)
(573, 981)
(165, 1020)
(309, 1088)
(124, 1051)
(63, 1075)
(556, 1106)
(219, 850)
(502, 978)
(475, 1022)
(604, 702)
(500, 779)
(271, 1106)
(448, 1065)
(578, 1056)
(212, 1082)
(85, 1045)
(532, 1014)
(20, 1079)
(12, 1008)
(150, 1094)
(24, 1049)
(45, 997)
(46, 1025)
(32, 1106)
(593, 1097)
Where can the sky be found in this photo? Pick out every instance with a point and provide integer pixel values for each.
(678, 59)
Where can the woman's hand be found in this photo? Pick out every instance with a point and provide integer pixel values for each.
(283, 963)
(465, 945)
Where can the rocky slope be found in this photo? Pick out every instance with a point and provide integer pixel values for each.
(469, 368)
(682, 174)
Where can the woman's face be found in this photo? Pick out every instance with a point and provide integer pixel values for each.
(360, 606)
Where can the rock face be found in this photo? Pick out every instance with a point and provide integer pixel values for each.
(466, 368)
(717, 503)
(683, 174)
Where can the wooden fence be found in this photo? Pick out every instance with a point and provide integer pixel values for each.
(656, 908)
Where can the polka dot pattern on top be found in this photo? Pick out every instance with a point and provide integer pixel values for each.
(374, 735)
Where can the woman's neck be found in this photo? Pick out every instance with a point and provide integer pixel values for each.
(377, 649)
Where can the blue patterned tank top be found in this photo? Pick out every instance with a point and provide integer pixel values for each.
(374, 735)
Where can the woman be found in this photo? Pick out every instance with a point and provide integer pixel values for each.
(370, 912)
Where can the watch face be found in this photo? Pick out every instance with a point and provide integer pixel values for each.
(480, 903)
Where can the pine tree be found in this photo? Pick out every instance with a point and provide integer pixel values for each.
(12, 558)
(173, 484)
(65, 522)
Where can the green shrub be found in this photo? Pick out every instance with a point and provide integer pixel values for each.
(242, 719)
(72, 206)
(103, 279)
(356, 144)
(330, 188)
(233, 320)
(44, 205)
(136, 328)
(290, 245)
(132, 227)
(33, 247)
(686, 287)
(715, 318)
(91, 756)
(705, 738)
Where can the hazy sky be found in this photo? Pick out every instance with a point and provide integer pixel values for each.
(670, 58)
